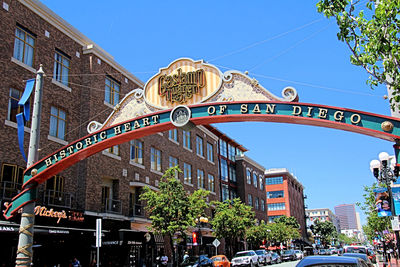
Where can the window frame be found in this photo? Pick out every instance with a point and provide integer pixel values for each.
(199, 146)
(58, 119)
(25, 44)
(155, 159)
(186, 136)
(59, 65)
(187, 173)
(210, 152)
(211, 183)
(136, 151)
(112, 91)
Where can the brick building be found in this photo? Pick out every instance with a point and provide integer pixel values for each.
(83, 83)
(285, 197)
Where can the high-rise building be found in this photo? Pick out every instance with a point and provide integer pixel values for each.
(322, 215)
(346, 214)
(285, 196)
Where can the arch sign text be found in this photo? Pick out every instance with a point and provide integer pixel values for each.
(189, 93)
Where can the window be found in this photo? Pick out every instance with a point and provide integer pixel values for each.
(114, 150)
(105, 196)
(232, 173)
(271, 219)
(274, 180)
(55, 187)
(24, 46)
(260, 182)
(222, 148)
(57, 123)
(225, 192)
(231, 152)
(211, 183)
(111, 91)
(13, 107)
(137, 151)
(199, 146)
(200, 179)
(224, 170)
(262, 205)
(210, 150)
(275, 194)
(250, 200)
(248, 176)
(233, 194)
(61, 67)
(173, 134)
(187, 172)
(255, 179)
(256, 204)
(12, 174)
(155, 158)
(173, 161)
(186, 139)
(276, 206)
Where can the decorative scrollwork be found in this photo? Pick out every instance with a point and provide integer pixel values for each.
(290, 94)
(138, 93)
(227, 77)
(93, 126)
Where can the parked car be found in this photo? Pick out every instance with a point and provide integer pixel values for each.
(323, 251)
(355, 249)
(371, 255)
(333, 251)
(361, 256)
(245, 258)
(264, 257)
(197, 261)
(336, 261)
(288, 255)
(299, 254)
(275, 258)
(221, 261)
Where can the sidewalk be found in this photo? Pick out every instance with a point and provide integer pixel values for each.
(393, 263)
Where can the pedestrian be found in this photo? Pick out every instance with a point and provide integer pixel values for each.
(76, 263)
(185, 256)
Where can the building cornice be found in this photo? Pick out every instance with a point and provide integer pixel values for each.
(251, 161)
(88, 45)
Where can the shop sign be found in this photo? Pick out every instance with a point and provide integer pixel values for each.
(184, 81)
(51, 231)
(8, 229)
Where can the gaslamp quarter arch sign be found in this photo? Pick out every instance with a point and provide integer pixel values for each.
(189, 93)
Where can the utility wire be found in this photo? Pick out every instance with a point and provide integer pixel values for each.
(266, 40)
(290, 48)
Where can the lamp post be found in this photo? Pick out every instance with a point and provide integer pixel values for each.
(386, 174)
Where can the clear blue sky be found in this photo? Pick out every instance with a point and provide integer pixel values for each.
(280, 43)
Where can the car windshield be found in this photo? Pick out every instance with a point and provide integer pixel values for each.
(356, 250)
(297, 251)
(287, 252)
(260, 252)
(242, 254)
(216, 258)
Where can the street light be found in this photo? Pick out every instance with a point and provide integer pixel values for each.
(386, 174)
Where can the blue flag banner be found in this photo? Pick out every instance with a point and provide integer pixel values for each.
(25, 116)
(382, 202)
(396, 199)
(24, 101)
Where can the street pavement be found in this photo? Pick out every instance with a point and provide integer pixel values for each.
(393, 263)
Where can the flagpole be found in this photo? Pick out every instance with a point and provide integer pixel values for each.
(25, 242)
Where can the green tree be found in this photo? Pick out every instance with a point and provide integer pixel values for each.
(374, 224)
(282, 233)
(230, 221)
(345, 240)
(257, 234)
(372, 36)
(289, 221)
(326, 230)
(171, 210)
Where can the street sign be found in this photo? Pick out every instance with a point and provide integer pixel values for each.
(98, 233)
(395, 223)
(216, 243)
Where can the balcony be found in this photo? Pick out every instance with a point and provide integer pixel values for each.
(58, 199)
(8, 190)
(136, 211)
(112, 206)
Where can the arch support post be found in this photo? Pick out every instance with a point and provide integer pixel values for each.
(25, 241)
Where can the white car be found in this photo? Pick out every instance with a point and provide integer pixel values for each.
(299, 254)
(245, 258)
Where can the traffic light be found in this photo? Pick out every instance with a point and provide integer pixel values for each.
(194, 238)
